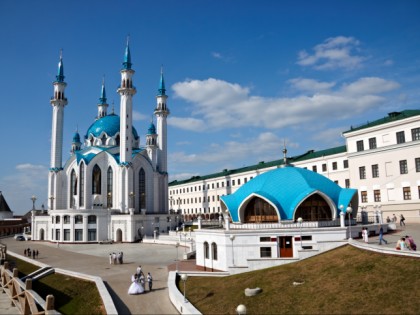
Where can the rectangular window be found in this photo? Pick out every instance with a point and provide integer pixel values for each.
(407, 193)
(57, 235)
(363, 195)
(336, 181)
(324, 167)
(66, 235)
(265, 252)
(403, 167)
(239, 181)
(217, 185)
(372, 143)
(91, 235)
(415, 134)
(78, 235)
(347, 183)
(400, 137)
(306, 237)
(334, 165)
(265, 239)
(233, 182)
(227, 183)
(375, 170)
(346, 163)
(314, 168)
(246, 180)
(362, 172)
(223, 184)
(377, 195)
(360, 146)
(417, 162)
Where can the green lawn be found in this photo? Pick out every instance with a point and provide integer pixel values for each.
(72, 295)
(343, 281)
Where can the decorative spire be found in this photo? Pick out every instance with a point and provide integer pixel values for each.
(127, 56)
(113, 109)
(152, 128)
(285, 154)
(161, 89)
(60, 73)
(102, 99)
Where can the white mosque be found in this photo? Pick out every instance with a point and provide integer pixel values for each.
(110, 188)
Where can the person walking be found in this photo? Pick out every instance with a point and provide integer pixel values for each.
(149, 281)
(402, 219)
(381, 236)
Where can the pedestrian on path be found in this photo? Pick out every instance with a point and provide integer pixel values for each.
(402, 220)
(381, 236)
(150, 281)
(365, 235)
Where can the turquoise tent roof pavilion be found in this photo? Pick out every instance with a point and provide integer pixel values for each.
(286, 188)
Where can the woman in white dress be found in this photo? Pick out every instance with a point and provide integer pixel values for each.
(135, 287)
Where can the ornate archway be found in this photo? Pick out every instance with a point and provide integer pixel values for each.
(119, 236)
(41, 235)
(258, 210)
(314, 208)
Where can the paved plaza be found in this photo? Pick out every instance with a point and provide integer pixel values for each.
(93, 259)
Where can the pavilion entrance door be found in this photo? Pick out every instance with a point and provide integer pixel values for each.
(286, 246)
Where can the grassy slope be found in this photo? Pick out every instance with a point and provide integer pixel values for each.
(72, 295)
(343, 281)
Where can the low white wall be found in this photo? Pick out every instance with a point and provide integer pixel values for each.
(177, 298)
(106, 297)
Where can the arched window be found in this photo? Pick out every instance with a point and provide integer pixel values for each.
(109, 178)
(78, 219)
(206, 250)
(117, 139)
(92, 219)
(103, 139)
(82, 185)
(96, 180)
(73, 187)
(66, 219)
(259, 210)
(314, 208)
(57, 219)
(142, 189)
(214, 250)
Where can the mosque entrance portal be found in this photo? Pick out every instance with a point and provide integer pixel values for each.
(119, 236)
(258, 210)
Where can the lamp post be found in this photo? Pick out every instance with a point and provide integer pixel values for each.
(33, 198)
(232, 238)
(241, 309)
(300, 220)
(109, 200)
(184, 278)
(349, 211)
(132, 199)
(177, 245)
(170, 224)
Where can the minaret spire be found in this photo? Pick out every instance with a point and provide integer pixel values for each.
(60, 73)
(161, 90)
(127, 56)
(103, 105)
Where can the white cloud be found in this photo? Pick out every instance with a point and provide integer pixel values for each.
(389, 62)
(220, 105)
(216, 55)
(27, 180)
(137, 116)
(186, 123)
(266, 145)
(310, 85)
(333, 53)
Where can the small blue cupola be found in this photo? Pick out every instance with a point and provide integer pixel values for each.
(60, 73)
(76, 144)
(152, 129)
(127, 56)
(161, 89)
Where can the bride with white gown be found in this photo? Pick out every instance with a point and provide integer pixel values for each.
(135, 287)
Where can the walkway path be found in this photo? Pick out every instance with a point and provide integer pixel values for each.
(93, 259)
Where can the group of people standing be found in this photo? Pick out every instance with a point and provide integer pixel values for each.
(394, 219)
(116, 258)
(28, 252)
(138, 282)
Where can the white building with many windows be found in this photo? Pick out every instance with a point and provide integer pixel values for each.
(381, 159)
(275, 214)
(110, 188)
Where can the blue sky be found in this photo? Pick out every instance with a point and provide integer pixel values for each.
(242, 76)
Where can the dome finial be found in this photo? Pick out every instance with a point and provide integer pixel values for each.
(161, 89)
(127, 56)
(113, 112)
(284, 153)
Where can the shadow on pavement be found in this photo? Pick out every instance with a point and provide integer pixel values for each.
(119, 304)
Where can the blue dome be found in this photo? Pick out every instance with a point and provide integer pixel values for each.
(109, 124)
(286, 188)
(152, 129)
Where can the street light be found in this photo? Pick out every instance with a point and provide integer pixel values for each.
(184, 278)
(241, 309)
(33, 198)
(177, 245)
(349, 211)
(232, 237)
(300, 220)
(132, 199)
